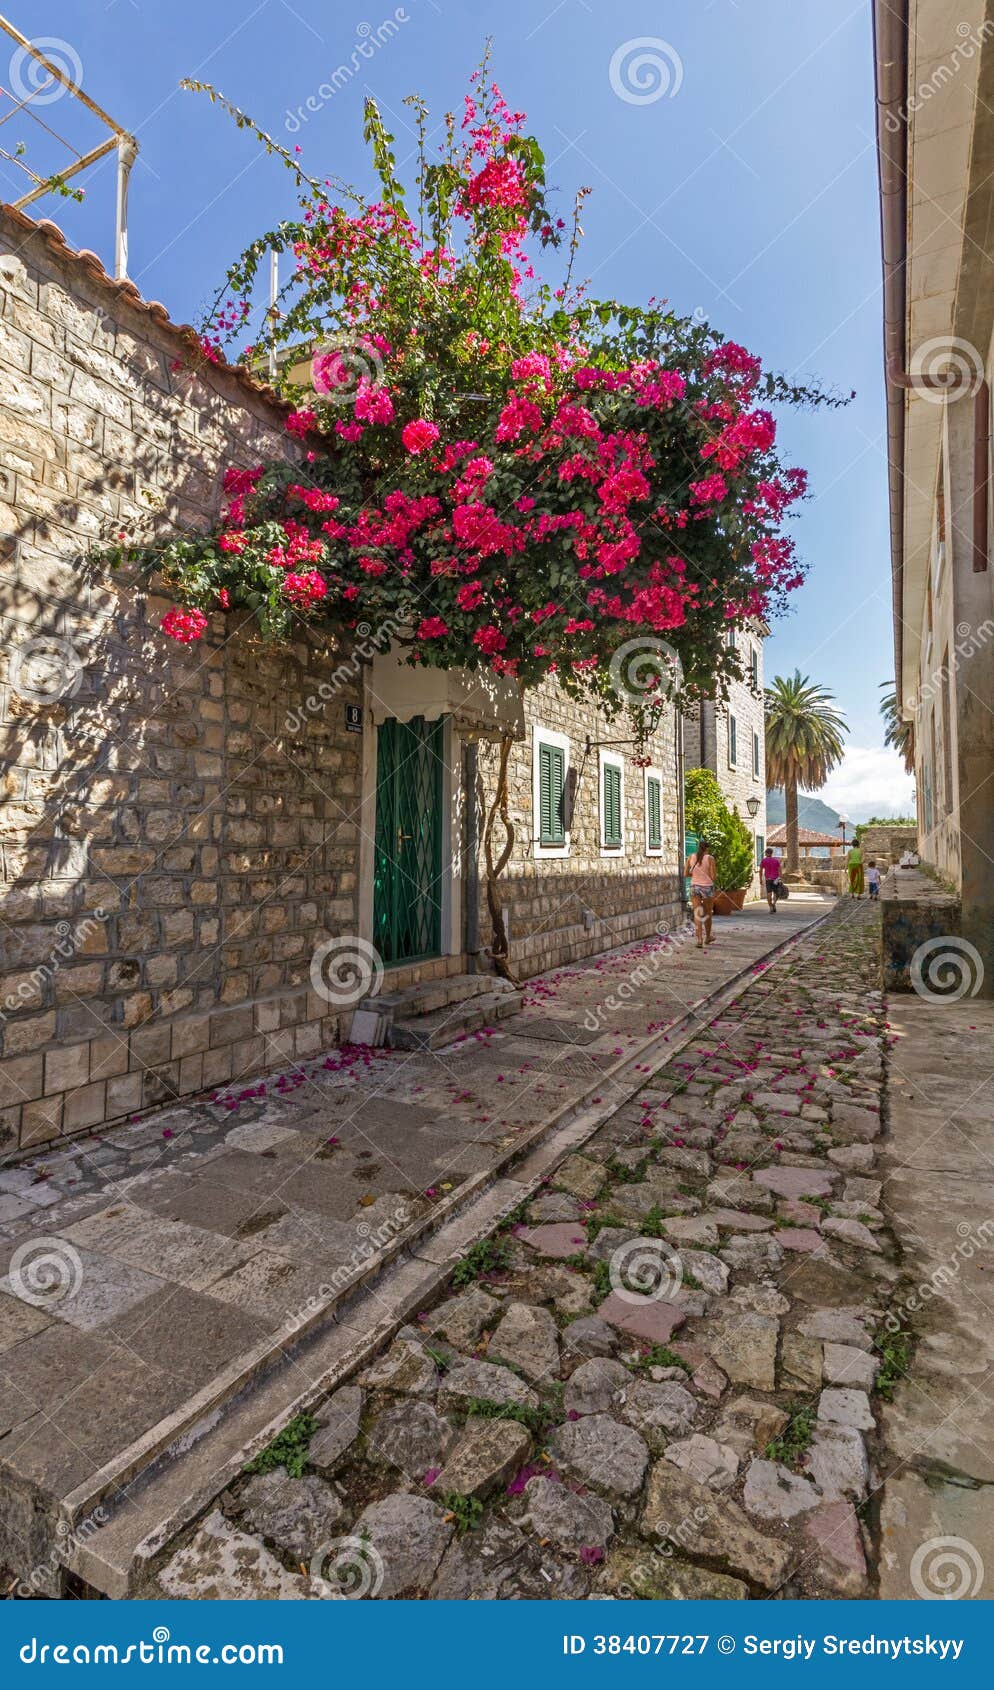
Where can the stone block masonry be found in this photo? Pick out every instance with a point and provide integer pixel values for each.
(561, 908)
(180, 827)
(170, 852)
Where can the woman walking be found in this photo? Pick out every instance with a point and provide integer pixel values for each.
(703, 872)
(854, 863)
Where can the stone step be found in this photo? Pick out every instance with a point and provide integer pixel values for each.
(444, 1026)
(432, 995)
(138, 1521)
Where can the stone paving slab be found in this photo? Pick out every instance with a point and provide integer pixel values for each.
(235, 1213)
(937, 1525)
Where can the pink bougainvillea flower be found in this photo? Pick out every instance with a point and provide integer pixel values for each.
(418, 435)
(184, 625)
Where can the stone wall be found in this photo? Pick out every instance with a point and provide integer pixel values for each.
(169, 853)
(180, 827)
(562, 908)
(887, 845)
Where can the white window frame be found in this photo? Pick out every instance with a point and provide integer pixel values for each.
(733, 761)
(757, 756)
(604, 760)
(547, 736)
(653, 850)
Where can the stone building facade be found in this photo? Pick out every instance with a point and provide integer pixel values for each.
(183, 829)
(729, 738)
(939, 372)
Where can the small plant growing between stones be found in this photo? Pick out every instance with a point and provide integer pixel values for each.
(602, 1286)
(536, 1420)
(653, 1226)
(624, 1175)
(288, 1449)
(438, 1357)
(466, 1511)
(597, 1225)
(660, 1355)
(792, 1442)
(489, 1255)
(894, 1348)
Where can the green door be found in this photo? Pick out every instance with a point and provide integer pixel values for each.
(407, 880)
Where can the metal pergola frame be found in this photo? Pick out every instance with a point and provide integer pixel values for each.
(119, 139)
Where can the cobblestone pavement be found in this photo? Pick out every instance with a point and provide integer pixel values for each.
(168, 1258)
(661, 1380)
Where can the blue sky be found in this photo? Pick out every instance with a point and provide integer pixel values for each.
(746, 189)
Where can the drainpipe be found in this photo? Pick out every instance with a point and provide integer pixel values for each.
(890, 40)
(681, 797)
(981, 476)
(471, 905)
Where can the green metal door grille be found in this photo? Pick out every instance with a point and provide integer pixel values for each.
(407, 878)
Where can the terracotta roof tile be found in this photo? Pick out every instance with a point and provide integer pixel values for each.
(185, 335)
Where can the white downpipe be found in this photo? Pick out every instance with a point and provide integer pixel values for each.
(127, 152)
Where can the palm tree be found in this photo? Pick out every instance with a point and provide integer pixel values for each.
(803, 743)
(898, 733)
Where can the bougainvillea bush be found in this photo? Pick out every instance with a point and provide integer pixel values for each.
(534, 480)
(541, 475)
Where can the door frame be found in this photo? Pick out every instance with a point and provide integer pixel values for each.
(451, 832)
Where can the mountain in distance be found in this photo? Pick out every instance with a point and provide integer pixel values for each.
(812, 813)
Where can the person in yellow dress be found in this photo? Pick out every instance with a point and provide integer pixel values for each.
(854, 863)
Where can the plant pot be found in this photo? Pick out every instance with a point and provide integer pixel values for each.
(723, 904)
(738, 898)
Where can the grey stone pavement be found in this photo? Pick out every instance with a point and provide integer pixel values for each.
(156, 1263)
(666, 1376)
(938, 1167)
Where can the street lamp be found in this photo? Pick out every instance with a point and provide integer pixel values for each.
(843, 823)
(752, 805)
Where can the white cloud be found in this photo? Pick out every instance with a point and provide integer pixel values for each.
(871, 781)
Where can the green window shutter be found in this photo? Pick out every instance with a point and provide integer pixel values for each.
(551, 783)
(654, 799)
(755, 666)
(732, 740)
(612, 805)
(760, 849)
(755, 754)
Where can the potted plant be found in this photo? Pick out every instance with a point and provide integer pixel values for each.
(734, 859)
